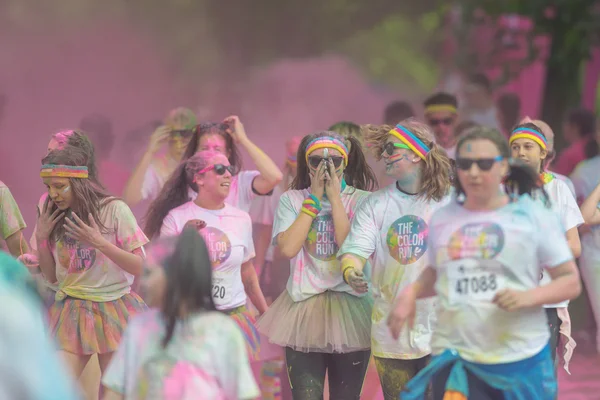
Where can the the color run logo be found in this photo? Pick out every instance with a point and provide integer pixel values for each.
(219, 246)
(480, 240)
(321, 239)
(407, 239)
(76, 256)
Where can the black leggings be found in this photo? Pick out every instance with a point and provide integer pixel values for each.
(478, 389)
(346, 372)
(554, 326)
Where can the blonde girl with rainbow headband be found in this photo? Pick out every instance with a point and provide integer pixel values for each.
(89, 243)
(486, 249)
(321, 321)
(390, 231)
(530, 145)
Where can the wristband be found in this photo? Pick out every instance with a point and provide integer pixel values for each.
(344, 271)
(311, 206)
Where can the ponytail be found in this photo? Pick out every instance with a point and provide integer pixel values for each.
(358, 173)
(173, 194)
(436, 174)
(522, 179)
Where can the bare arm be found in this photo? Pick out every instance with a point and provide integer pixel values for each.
(252, 287)
(262, 243)
(291, 241)
(574, 242)
(589, 207)
(132, 194)
(424, 285)
(111, 395)
(270, 174)
(128, 262)
(565, 285)
(16, 244)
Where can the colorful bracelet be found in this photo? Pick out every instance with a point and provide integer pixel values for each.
(311, 206)
(348, 268)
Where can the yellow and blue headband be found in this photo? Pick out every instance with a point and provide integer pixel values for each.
(63, 171)
(529, 133)
(329, 143)
(412, 141)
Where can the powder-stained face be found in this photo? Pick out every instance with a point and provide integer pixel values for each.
(217, 180)
(479, 180)
(315, 158)
(401, 162)
(529, 152)
(213, 142)
(59, 191)
(443, 124)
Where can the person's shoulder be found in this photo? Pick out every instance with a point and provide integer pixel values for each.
(447, 209)
(3, 185)
(237, 213)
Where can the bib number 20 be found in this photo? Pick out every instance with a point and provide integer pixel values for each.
(476, 284)
(219, 292)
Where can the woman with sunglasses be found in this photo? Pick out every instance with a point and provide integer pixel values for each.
(153, 169)
(486, 253)
(226, 230)
(89, 243)
(530, 145)
(390, 231)
(225, 138)
(183, 348)
(323, 324)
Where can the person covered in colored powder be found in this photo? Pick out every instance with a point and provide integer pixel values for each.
(11, 223)
(390, 231)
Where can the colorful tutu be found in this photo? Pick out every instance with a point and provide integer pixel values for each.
(247, 323)
(330, 322)
(88, 327)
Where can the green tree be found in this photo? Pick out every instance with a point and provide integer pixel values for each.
(573, 27)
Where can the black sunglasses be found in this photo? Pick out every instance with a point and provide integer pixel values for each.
(314, 161)
(220, 169)
(390, 147)
(441, 121)
(184, 133)
(484, 164)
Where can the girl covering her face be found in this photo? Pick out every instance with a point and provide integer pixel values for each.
(311, 222)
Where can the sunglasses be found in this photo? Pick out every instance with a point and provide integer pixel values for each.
(219, 169)
(391, 146)
(314, 161)
(442, 121)
(484, 164)
(183, 133)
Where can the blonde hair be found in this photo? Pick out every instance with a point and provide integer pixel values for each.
(435, 173)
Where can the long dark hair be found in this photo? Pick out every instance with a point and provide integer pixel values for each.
(188, 271)
(531, 125)
(358, 173)
(80, 139)
(175, 192)
(89, 197)
(215, 128)
(521, 178)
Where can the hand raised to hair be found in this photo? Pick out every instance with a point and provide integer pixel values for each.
(235, 128)
(158, 139)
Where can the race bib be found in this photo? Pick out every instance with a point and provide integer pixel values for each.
(221, 289)
(473, 280)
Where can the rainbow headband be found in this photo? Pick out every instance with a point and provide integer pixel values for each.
(409, 139)
(63, 171)
(528, 133)
(327, 142)
(440, 107)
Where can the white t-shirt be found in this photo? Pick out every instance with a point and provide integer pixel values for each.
(390, 229)
(240, 191)
(86, 273)
(476, 254)
(315, 268)
(228, 236)
(206, 358)
(565, 205)
(262, 212)
(154, 180)
(567, 181)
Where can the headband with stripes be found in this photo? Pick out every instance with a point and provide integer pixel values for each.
(63, 171)
(529, 133)
(409, 139)
(327, 142)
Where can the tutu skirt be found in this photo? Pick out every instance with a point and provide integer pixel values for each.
(330, 322)
(243, 317)
(88, 327)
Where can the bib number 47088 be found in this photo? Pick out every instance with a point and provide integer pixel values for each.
(473, 280)
(476, 284)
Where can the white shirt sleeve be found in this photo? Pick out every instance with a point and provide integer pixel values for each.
(151, 185)
(245, 192)
(552, 247)
(169, 226)
(363, 236)
(570, 214)
(284, 217)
